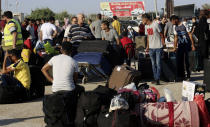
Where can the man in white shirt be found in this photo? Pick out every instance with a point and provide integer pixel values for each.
(48, 31)
(65, 70)
(155, 43)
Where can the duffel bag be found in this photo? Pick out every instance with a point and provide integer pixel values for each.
(88, 108)
(60, 109)
(118, 118)
(12, 94)
(183, 114)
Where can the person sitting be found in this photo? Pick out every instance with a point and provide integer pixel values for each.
(65, 70)
(129, 49)
(22, 77)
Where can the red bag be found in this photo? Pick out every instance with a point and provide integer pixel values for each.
(203, 112)
(178, 114)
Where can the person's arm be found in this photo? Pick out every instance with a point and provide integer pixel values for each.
(14, 34)
(162, 39)
(6, 70)
(147, 48)
(41, 36)
(55, 32)
(192, 41)
(116, 37)
(175, 42)
(166, 30)
(75, 77)
(45, 70)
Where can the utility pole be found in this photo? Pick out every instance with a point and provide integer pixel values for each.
(156, 11)
(0, 8)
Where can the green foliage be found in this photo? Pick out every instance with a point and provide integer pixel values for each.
(41, 13)
(60, 16)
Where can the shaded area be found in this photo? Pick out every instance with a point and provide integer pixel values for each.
(5, 122)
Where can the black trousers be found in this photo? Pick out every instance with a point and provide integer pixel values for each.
(182, 61)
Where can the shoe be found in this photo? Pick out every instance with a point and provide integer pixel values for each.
(158, 82)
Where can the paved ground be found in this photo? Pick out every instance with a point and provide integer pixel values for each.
(30, 114)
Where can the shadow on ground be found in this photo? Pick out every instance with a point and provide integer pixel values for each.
(5, 122)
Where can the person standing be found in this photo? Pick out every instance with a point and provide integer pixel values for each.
(183, 44)
(80, 31)
(30, 29)
(116, 25)
(168, 31)
(96, 27)
(155, 43)
(12, 33)
(66, 34)
(163, 24)
(48, 31)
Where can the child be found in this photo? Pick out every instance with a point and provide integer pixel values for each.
(127, 44)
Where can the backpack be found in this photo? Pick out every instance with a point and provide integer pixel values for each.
(88, 108)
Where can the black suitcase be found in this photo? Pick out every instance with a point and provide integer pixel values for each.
(145, 67)
(93, 46)
(207, 74)
(37, 87)
(169, 68)
(195, 61)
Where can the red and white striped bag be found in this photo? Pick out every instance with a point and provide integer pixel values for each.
(169, 114)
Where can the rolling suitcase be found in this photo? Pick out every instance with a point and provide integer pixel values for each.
(122, 76)
(169, 68)
(93, 46)
(145, 67)
(207, 74)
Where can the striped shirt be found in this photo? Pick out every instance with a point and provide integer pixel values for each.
(79, 33)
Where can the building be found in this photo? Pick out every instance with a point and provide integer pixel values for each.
(185, 11)
(19, 16)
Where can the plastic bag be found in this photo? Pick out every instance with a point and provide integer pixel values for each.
(169, 95)
(118, 103)
(203, 112)
(131, 86)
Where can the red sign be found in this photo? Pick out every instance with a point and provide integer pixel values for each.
(124, 9)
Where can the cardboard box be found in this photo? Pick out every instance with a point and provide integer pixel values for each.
(190, 89)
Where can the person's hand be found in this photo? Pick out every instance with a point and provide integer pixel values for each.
(147, 50)
(14, 47)
(174, 50)
(193, 48)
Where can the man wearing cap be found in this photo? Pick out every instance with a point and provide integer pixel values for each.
(12, 33)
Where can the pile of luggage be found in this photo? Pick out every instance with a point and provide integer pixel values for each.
(124, 102)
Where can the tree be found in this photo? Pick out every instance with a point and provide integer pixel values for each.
(60, 16)
(41, 13)
(206, 6)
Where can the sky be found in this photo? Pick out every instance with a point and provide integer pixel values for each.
(81, 6)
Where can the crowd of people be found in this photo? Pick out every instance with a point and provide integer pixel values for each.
(19, 41)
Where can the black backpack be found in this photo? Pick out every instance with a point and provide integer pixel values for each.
(118, 118)
(88, 108)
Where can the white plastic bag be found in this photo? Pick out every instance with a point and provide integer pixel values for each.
(131, 86)
(169, 95)
(118, 103)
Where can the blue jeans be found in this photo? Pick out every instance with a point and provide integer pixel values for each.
(155, 55)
